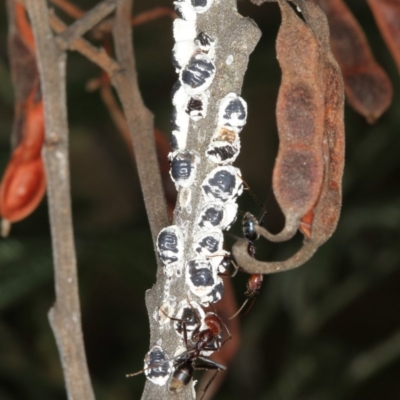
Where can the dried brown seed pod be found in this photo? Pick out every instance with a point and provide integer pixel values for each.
(322, 219)
(299, 167)
(368, 88)
(387, 16)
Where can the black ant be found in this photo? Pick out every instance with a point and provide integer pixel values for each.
(249, 222)
(255, 281)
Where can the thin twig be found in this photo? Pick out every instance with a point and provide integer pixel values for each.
(69, 8)
(139, 118)
(153, 14)
(105, 26)
(140, 121)
(65, 315)
(116, 114)
(85, 23)
(97, 55)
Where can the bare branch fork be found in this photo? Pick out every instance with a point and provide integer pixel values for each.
(65, 315)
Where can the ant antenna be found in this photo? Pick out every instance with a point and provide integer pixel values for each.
(136, 373)
(240, 309)
(232, 235)
(252, 194)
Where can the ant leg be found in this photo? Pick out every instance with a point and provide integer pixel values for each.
(252, 194)
(196, 314)
(210, 381)
(235, 266)
(209, 364)
(182, 321)
(136, 373)
(253, 300)
(240, 309)
(171, 318)
(261, 220)
(227, 331)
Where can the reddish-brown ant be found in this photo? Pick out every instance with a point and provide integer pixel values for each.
(206, 337)
(204, 340)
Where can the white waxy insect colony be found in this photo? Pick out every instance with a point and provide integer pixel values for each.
(195, 254)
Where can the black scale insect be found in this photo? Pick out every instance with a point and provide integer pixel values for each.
(157, 367)
(183, 167)
(204, 42)
(225, 143)
(223, 184)
(232, 112)
(197, 107)
(217, 215)
(198, 74)
(222, 153)
(170, 244)
(200, 277)
(201, 6)
(216, 293)
(208, 243)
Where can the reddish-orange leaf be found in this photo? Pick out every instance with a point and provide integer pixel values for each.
(22, 188)
(23, 26)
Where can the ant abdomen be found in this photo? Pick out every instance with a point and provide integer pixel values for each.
(249, 222)
(181, 376)
(254, 284)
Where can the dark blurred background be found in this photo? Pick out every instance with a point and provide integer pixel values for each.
(329, 330)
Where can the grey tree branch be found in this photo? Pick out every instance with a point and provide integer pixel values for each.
(140, 121)
(139, 118)
(85, 23)
(97, 55)
(64, 316)
(235, 38)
